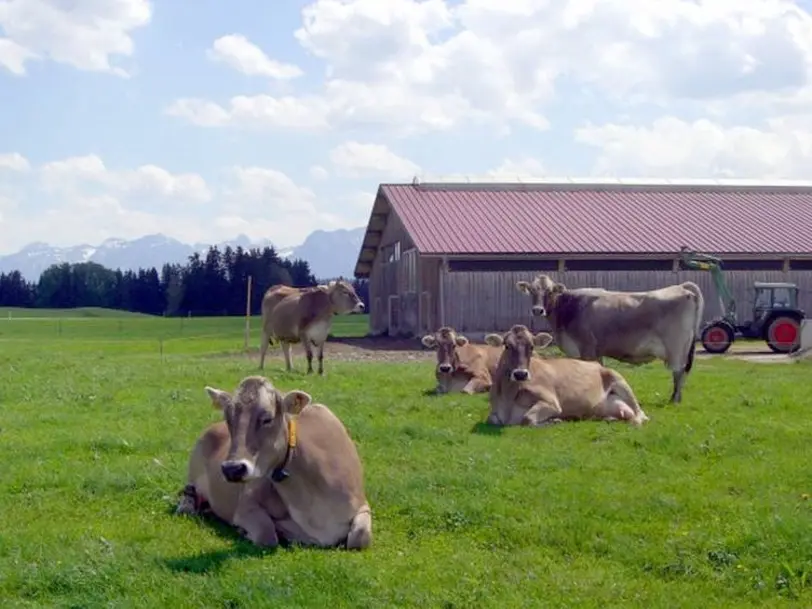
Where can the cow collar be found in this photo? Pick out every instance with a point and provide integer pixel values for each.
(281, 472)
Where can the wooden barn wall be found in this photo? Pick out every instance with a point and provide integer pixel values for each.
(489, 301)
(385, 279)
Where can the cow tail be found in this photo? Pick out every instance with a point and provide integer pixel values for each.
(700, 313)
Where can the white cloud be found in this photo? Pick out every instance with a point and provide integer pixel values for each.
(84, 34)
(14, 161)
(509, 170)
(355, 160)
(317, 172)
(674, 148)
(413, 67)
(240, 54)
(143, 184)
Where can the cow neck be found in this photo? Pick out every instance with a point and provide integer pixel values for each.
(281, 472)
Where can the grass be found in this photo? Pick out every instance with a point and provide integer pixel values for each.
(705, 506)
(20, 313)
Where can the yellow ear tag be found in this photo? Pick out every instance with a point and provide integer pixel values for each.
(292, 428)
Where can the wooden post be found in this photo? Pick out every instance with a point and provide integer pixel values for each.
(248, 312)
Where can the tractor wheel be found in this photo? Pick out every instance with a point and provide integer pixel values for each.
(717, 338)
(784, 334)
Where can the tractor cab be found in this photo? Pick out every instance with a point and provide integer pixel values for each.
(771, 296)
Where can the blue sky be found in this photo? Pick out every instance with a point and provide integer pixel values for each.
(128, 117)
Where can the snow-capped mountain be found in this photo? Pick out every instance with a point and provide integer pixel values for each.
(330, 253)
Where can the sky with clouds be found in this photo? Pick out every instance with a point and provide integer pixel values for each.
(208, 119)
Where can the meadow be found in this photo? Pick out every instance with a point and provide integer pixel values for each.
(707, 505)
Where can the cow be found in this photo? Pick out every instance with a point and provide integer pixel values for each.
(461, 366)
(632, 327)
(534, 391)
(279, 467)
(296, 315)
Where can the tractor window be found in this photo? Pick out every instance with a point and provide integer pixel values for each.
(763, 299)
(782, 298)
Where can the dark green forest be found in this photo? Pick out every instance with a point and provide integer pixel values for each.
(205, 286)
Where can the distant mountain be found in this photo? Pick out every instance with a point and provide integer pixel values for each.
(330, 253)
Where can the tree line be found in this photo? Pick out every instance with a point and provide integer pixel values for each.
(210, 285)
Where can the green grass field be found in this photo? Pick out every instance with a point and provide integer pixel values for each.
(705, 506)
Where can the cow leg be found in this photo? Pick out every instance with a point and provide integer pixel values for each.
(286, 353)
(476, 385)
(321, 358)
(679, 381)
(542, 413)
(257, 523)
(263, 348)
(309, 352)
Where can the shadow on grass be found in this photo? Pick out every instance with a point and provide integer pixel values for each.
(486, 429)
(208, 562)
(431, 393)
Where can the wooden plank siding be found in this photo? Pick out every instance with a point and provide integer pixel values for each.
(489, 301)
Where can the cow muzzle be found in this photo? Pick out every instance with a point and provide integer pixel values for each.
(237, 471)
(520, 374)
(445, 368)
(537, 310)
(359, 308)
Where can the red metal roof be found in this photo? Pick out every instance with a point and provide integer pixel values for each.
(552, 219)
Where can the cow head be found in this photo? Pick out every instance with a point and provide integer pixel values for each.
(518, 345)
(257, 415)
(343, 297)
(446, 341)
(543, 291)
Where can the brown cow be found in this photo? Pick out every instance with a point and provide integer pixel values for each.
(461, 366)
(295, 315)
(535, 391)
(279, 466)
(632, 327)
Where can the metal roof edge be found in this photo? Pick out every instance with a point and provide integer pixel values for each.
(614, 184)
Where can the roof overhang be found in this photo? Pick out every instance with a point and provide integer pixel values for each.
(378, 218)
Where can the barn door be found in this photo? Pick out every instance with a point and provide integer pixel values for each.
(394, 315)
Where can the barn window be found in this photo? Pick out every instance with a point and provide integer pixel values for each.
(390, 253)
(800, 265)
(481, 266)
(410, 270)
(619, 264)
(752, 265)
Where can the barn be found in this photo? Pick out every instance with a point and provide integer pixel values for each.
(450, 253)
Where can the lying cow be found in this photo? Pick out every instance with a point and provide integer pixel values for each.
(461, 366)
(279, 467)
(633, 327)
(535, 391)
(304, 315)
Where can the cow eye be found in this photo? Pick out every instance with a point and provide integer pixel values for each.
(266, 419)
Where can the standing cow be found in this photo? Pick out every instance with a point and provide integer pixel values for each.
(534, 391)
(633, 327)
(304, 315)
(461, 366)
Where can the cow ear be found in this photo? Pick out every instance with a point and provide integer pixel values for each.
(331, 285)
(558, 288)
(219, 398)
(429, 341)
(523, 287)
(461, 341)
(494, 340)
(542, 339)
(295, 401)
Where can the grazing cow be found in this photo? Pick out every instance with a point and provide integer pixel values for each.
(279, 467)
(633, 327)
(295, 315)
(461, 366)
(535, 391)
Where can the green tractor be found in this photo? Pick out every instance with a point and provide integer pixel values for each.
(776, 316)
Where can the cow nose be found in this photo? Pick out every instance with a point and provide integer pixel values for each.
(537, 311)
(234, 471)
(520, 374)
(446, 368)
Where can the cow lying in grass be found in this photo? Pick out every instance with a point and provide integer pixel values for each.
(461, 366)
(279, 467)
(534, 391)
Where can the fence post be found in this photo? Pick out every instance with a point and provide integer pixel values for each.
(248, 313)
(161, 348)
